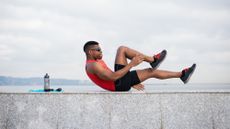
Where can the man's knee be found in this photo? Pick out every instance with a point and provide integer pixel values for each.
(121, 49)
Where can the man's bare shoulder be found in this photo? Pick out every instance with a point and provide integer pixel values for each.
(93, 67)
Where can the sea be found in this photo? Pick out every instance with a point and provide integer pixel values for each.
(148, 87)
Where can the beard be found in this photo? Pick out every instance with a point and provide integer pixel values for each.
(100, 56)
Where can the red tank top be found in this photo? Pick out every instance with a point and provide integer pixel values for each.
(105, 84)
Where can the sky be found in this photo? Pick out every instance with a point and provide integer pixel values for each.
(47, 36)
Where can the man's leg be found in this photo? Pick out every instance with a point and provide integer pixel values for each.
(159, 74)
(124, 52)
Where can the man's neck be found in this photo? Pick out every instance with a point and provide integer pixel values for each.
(90, 58)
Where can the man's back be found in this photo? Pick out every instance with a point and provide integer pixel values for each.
(105, 84)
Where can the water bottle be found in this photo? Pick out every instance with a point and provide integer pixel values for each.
(46, 82)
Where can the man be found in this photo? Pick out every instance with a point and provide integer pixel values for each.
(122, 79)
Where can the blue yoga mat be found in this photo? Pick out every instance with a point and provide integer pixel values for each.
(42, 91)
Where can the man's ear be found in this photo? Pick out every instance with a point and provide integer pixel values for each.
(90, 52)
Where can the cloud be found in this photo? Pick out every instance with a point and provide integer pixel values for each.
(5, 51)
(39, 36)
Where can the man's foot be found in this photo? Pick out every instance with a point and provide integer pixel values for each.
(158, 58)
(187, 73)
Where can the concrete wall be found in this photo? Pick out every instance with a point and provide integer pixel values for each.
(186, 110)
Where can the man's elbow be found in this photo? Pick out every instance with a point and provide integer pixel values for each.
(109, 78)
(114, 77)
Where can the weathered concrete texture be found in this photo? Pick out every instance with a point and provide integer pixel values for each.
(4, 101)
(32, 111)
(115, 111)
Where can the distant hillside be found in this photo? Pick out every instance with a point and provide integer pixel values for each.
(39, 81)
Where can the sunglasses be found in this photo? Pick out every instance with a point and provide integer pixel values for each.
(96, 49)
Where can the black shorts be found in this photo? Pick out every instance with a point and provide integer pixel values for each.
(127, 81)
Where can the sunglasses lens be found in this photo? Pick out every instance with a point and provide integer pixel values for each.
(97, 49)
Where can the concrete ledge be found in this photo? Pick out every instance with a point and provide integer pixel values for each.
(106, 110)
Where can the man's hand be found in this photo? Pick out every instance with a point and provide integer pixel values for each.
(137, 60)
(138, 87)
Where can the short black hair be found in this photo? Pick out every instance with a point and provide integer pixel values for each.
(88, 44)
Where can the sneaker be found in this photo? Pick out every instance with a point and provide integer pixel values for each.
(158, 58)
(187, 73)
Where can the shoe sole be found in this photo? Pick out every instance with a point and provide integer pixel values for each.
(190, 75)
(160, 62)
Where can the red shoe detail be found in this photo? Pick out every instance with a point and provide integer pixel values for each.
(186, 69)
(157, 56)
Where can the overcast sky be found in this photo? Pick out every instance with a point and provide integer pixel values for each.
(47, 36)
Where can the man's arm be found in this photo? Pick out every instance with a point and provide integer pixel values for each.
(109, 75)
